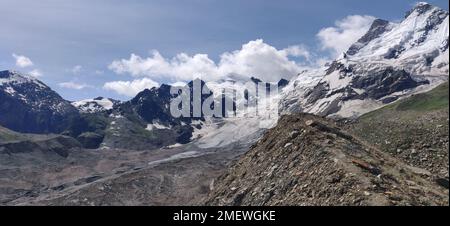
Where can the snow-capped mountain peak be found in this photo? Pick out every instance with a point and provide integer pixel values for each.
(391, 61)
(419, 8)
(378, 27)
(418, 44)
(10, 77)
(28, 105)
(95, 105)
(29, 90)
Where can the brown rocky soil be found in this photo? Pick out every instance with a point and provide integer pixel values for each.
(308, 160)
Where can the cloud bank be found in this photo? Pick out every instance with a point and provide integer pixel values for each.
(347, 31)
(130, 88)
(77, 69)
(35, 73)
(22, 61)
(255, 58)
(73, 85)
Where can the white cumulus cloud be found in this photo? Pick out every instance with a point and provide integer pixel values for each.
(73, 85)
(130, 88)
(298, 51)
(35, 73)
(77, 69)
(22, 61)
(347, 31)
(99, 72)
(178, 84)
(255, 58)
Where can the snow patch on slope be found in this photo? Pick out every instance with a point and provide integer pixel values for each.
(15, 78)
(156, 125)
(246, 127)
(93, 105)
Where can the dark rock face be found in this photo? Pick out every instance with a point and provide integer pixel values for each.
(184, 134)
(255, 80)
(320, 91)
(419, 8)
(444, 45)
(92, 122)
(282, 83)
(378, 27)
(335, 66)
(385, 82)
(90, 140)
(443, 182)
(394, 52)
(153, 104)
(389, 100)
(28, 105)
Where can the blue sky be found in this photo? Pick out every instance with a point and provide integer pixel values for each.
(72, 44)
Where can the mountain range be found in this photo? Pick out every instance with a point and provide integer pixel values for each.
(327, 121)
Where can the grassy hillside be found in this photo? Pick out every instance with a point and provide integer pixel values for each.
(414, 129)
(436, 99)
(8, 135)
(308, 160)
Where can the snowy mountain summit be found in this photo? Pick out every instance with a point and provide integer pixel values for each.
(391, 61)
(28, 105)
(98, 104)
(419, 44)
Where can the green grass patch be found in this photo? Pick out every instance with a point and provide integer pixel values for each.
(6, 136)
(433, 100)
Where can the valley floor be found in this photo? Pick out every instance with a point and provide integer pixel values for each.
(175, 176)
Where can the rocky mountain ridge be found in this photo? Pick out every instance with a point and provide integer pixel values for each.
(309, 160)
